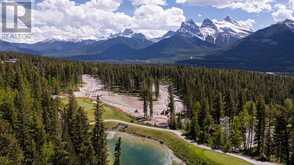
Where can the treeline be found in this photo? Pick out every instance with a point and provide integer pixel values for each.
(34, 128)
(230, 110)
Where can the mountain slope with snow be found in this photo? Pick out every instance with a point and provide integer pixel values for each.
(65, 48)
(269, 49)
(221, 33)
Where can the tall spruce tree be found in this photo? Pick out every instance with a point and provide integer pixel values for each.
(99, 135)
(252, 123)
(117, 152)
(145, 103)
(260, 126)
(157, 86)
(171, 109)
(220, 108)
(195, 129)
(150, 105)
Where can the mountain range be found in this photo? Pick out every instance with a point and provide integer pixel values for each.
(224, 43)
(188, 38)
(269, 49)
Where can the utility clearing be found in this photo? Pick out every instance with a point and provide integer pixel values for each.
(131, 105)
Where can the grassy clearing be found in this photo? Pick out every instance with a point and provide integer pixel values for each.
(109, 112)
(185, 151)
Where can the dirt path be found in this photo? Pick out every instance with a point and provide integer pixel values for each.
(179, 134)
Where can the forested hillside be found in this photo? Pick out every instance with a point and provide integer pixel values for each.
(238, 111)
(34, 128)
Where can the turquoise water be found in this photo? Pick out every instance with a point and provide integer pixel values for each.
(139, 151)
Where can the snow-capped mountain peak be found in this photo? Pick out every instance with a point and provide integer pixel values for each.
(224, 32)
(235, 28)
(165, 36)
(230, 20)
(53, 40)
(221, 33)
(125, 33)
(290, 24)
(208, 23)
(129, 33)
(190, 28)
(189, 25)
(189, 22)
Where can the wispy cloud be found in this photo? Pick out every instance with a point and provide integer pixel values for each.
(251, 6)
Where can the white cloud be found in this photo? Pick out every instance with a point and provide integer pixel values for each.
(97, 19)
(181, 1)
(283, 12)
(251, 6)
(68, 20)
(148, 2)
(157, 19)
(206, 2)
(291, 4)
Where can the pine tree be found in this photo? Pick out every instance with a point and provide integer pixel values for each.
(245, 124)
(171, 109)
(151, 105)
(195, 129)
(85, 149)
(218, 135)
(145, 104)
(10, 150)
(236, 134)
(283, 130)
(156, 88)
(260, 126)
(252, 123)
(117, 152)
(24, 120)
(79, 132)
(99, 136)
(220, 108)
(208, 128)
(50, 113)
(269, 145)
(230, 105)
(205, 122)
(7, 109)
(180, 124)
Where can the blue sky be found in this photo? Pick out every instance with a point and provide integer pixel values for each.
(97, 19)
